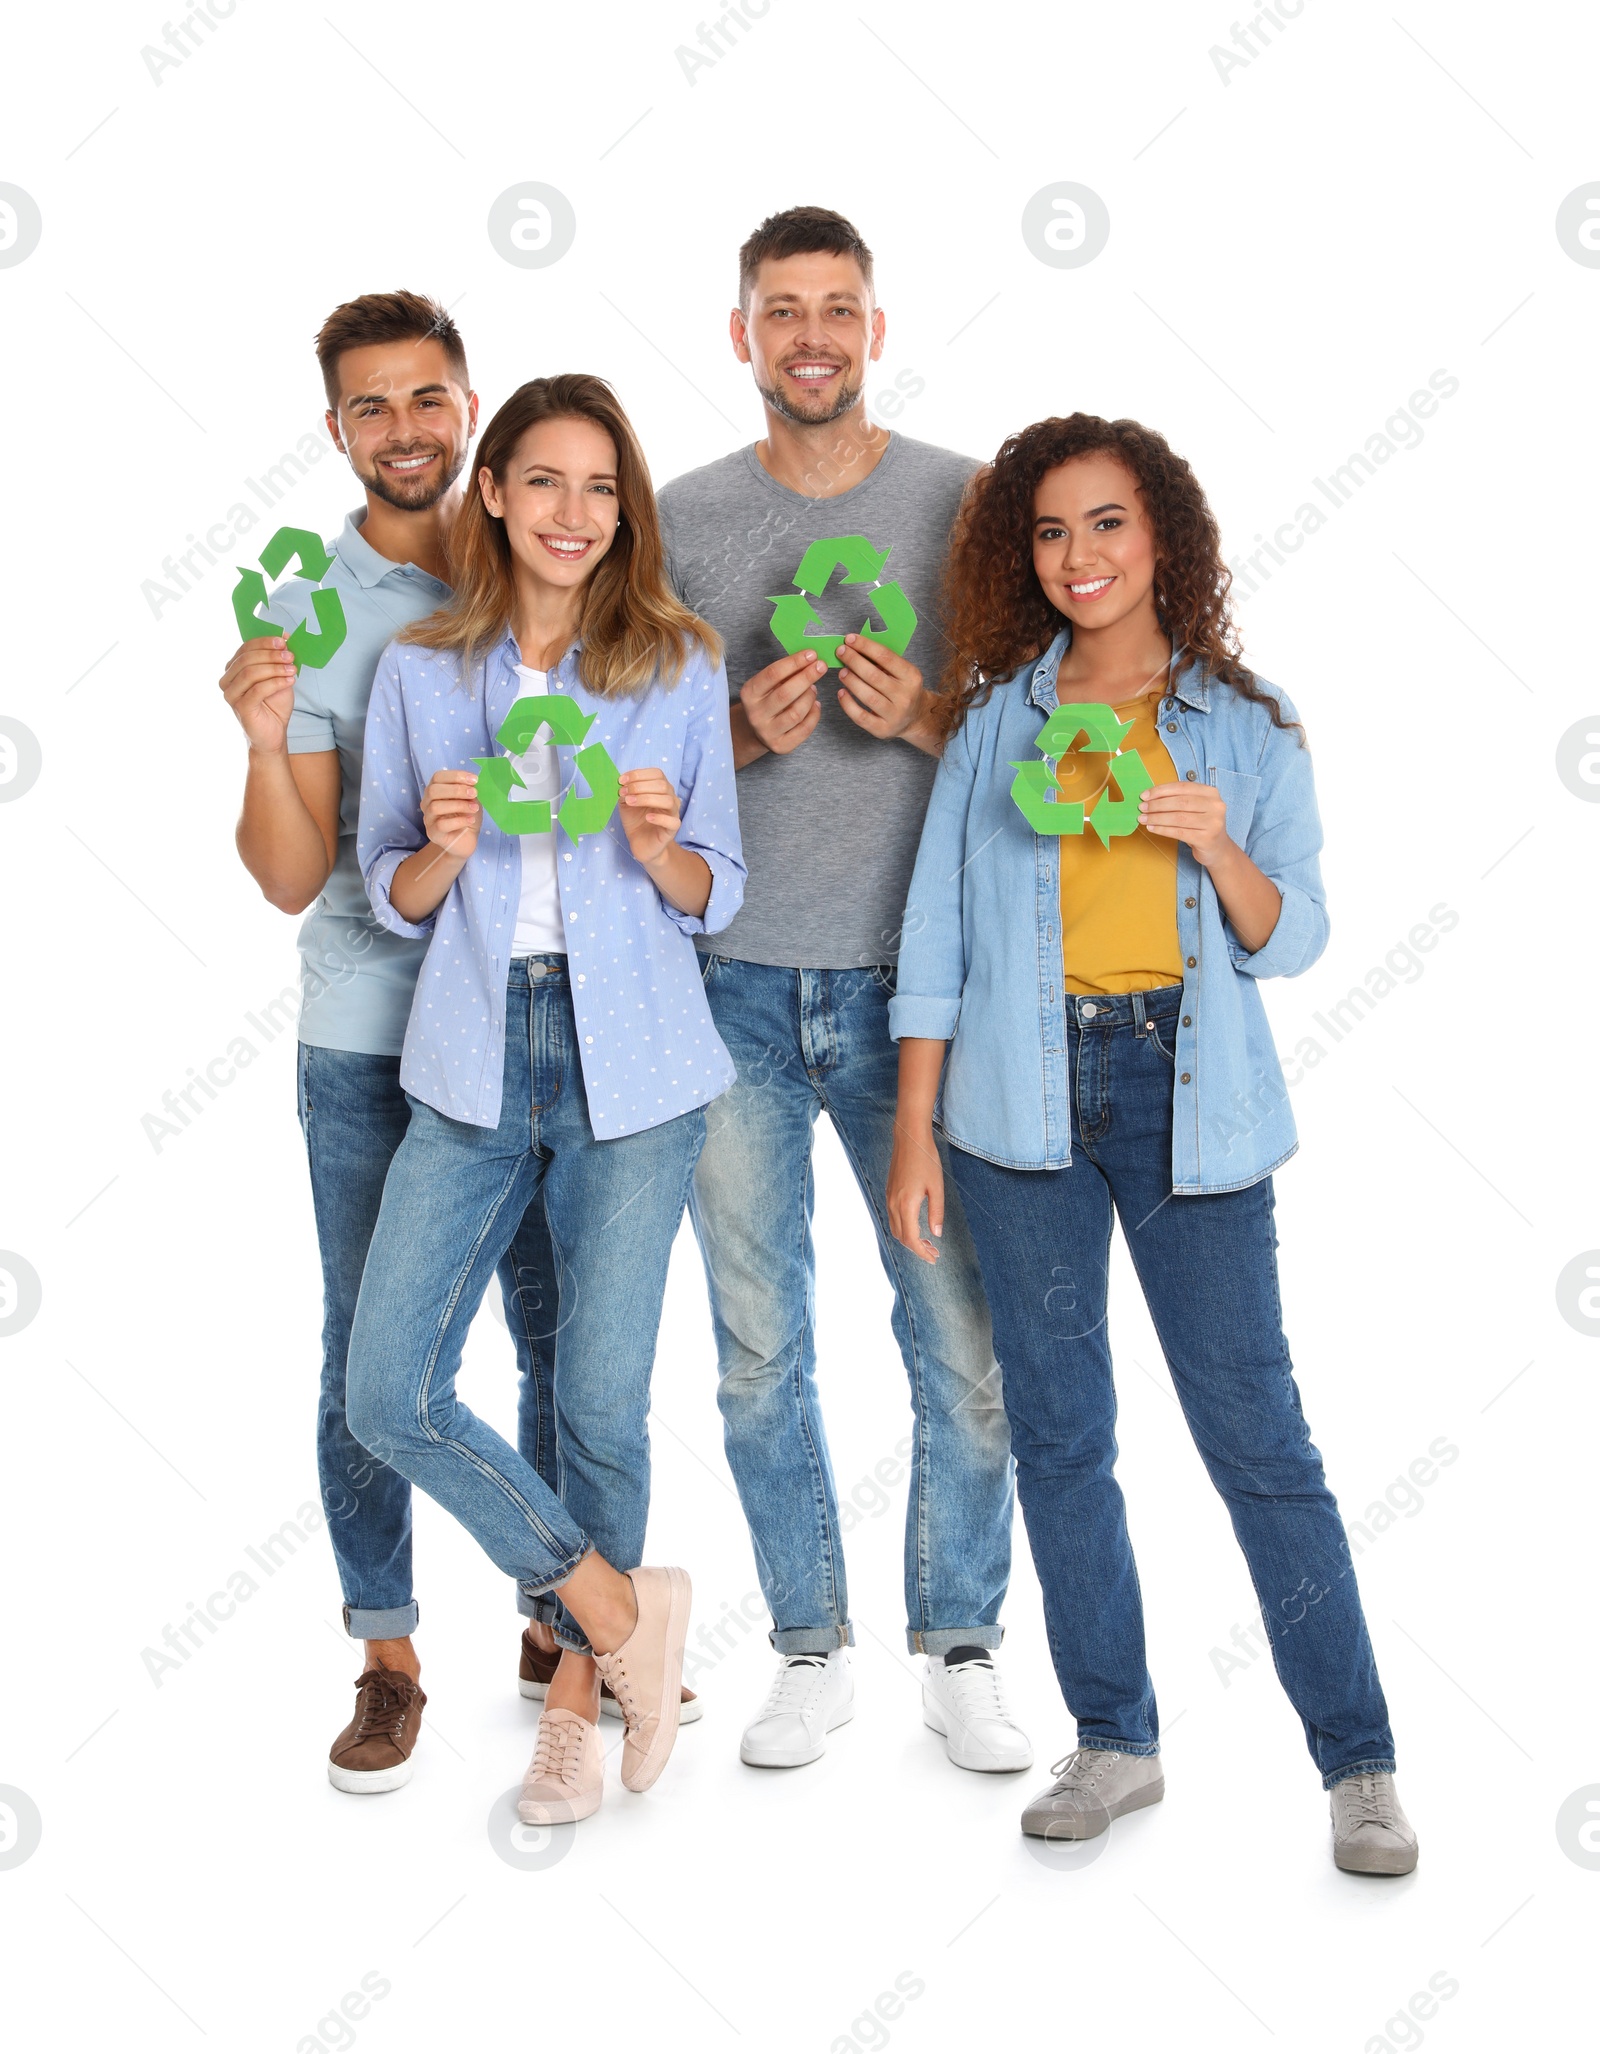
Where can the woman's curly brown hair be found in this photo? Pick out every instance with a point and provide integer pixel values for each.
(997, 616)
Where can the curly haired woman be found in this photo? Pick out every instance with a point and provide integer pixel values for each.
(1088, 950)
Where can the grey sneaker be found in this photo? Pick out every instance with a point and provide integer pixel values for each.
(1093, 1786)
(1371, 1834)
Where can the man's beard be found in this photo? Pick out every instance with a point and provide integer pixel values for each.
(419, 496)
(781, 403)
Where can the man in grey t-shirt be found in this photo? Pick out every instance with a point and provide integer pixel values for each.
(817, 556)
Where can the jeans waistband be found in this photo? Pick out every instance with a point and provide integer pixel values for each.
(1123, 1008)
(529, 971)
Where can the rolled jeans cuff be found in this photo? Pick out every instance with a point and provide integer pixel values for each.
(1375, 1765)
(543, 1604)
(812, 1640)
(939, 1640)
(394, 1622)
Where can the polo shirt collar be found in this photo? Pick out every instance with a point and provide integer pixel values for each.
(362, 561)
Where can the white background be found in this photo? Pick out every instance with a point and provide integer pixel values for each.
(1293, 251)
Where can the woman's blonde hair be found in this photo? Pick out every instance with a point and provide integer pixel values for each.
(634, 632)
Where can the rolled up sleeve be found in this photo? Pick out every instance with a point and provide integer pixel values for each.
(1284, 842)
(708, 800)
(932, 968)
(390, 826)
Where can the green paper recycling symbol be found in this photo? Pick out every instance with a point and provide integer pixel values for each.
(497, 775)
(862, 565)
(1100, 729)
(306, 645)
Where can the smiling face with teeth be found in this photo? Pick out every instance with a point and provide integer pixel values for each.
(1094, 549)
(808, 331)
(404, 420)
(559, 502)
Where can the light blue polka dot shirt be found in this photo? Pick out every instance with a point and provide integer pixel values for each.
(648, 1048)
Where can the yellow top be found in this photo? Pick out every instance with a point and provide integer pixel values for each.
(1119, 905)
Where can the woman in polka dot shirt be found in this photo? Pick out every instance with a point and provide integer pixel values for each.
(559, 1044)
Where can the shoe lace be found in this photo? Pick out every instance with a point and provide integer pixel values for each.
(385, 1698)
(615, 1672)
(1369, 1800)
(1077, 1770)
(796, 1684)
(979, 1690)
(557, 1750)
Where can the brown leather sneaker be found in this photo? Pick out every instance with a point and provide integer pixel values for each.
(535, 1668)
(374, 1751)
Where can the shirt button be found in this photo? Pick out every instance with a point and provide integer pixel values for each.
(1184, 1078)
(582, 977)
(1190, 961)
(1172, 727)
(588, 1041)
(1189, 776)
(1188, 902)
(1187, 1021)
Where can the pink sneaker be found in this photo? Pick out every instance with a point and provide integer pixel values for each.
(566, 1778)
(646, 1673)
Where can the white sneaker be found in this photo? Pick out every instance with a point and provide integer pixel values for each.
(964, 1699)
(810, 1695)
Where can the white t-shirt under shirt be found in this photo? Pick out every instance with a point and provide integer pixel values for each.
(539, 927)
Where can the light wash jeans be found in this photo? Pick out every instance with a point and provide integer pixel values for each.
(806, 1042)
(353, 1114)
(451, 1206)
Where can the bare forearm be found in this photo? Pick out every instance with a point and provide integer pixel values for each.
(923, 732)
(682, 878)
(921, 1065)
(278, 839)
(418, 888)
(747, 745)
(1248, 896)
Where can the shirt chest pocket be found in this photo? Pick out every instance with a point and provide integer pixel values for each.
(1239, 789)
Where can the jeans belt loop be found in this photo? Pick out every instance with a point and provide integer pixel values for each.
(1138, 1011)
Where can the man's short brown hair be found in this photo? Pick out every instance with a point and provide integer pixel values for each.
(801, 232)
(378, 317)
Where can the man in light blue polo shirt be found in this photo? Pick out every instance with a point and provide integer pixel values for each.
(401, 408)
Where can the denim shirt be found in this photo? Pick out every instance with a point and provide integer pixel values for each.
(980, 959)
(648, 1048)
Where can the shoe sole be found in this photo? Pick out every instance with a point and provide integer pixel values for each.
(640, 1775)
(1056, 1827)
(1400, 1863)
(689, 1709)
(933, 1719)
(840, 1717)
(558, 1812)
(369, 1782)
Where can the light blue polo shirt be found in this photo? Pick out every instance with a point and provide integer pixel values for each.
(356, 977)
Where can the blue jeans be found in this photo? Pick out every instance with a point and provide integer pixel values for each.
(450, 1212)
(1208, 1270)
(805, 1042)
(353, 1114)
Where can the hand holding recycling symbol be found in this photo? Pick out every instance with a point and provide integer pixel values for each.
(792, 611)
(499, 780)
(1100, 729)
(306, 645)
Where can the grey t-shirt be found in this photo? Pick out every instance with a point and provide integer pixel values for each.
(829, 831)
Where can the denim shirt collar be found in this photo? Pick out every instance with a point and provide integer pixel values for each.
(1189, 685)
